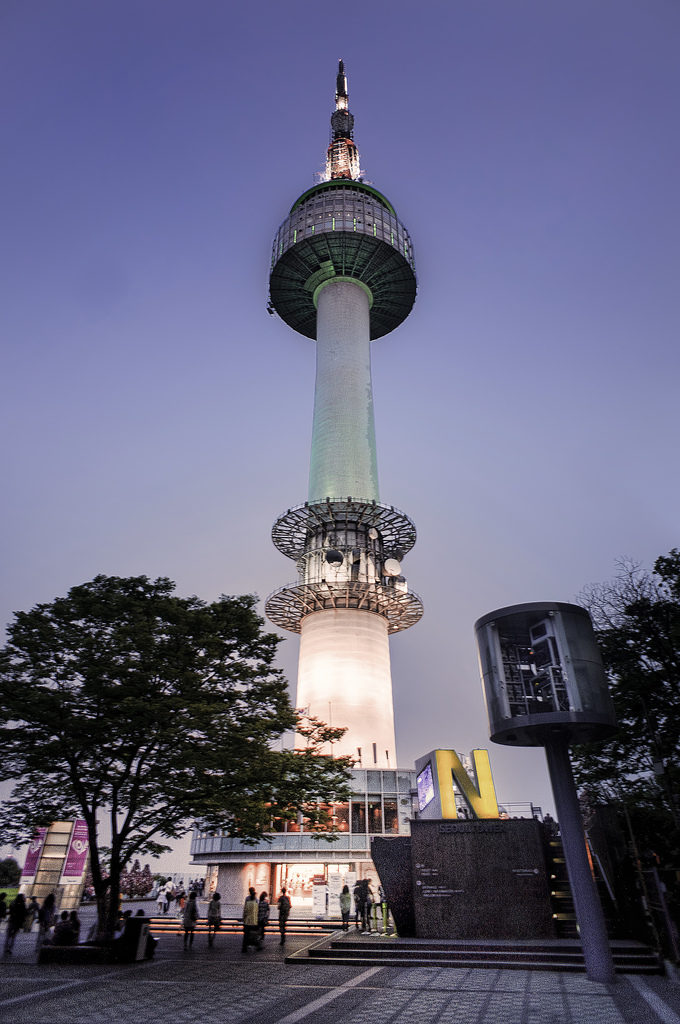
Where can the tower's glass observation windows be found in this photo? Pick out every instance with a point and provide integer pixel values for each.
(350, 230)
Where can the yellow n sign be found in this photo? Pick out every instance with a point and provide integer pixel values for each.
(437, 773)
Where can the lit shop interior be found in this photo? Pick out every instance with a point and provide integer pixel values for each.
(382, 804)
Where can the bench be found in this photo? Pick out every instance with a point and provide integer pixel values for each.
(134, 944)
(49, 954)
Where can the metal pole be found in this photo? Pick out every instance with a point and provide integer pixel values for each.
(592, 929)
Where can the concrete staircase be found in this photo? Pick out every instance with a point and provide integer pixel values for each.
(630, 957)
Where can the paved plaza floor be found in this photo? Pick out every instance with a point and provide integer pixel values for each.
(224, 986)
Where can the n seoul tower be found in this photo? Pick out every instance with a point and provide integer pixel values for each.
(342, 273)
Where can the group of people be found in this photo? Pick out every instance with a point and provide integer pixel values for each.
(256, 918)
(20, 916)
(190, 918)
(168, 893)
(366, 906)
(256, 914)
(54, 928)
(64, 929)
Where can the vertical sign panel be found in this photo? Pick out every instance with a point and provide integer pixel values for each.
(33, 855)
(76, 858)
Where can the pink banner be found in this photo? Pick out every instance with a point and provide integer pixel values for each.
(33, 855)
(76, 857)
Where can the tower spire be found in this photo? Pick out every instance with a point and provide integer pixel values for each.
(342, 157)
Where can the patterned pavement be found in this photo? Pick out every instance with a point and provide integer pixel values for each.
(224, 986)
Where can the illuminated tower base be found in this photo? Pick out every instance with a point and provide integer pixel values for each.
(344, 679)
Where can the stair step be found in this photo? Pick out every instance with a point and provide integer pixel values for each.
(629, 957)
(495, 963)
(576, 954)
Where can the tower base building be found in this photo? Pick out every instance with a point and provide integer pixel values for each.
(382, 804)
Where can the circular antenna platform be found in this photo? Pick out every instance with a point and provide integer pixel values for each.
(292, 530)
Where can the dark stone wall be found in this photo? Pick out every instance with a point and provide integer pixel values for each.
(392, 859)
(479, 879)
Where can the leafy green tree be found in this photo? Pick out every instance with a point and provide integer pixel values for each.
(637, 620)
(143, 712)
(10, 873)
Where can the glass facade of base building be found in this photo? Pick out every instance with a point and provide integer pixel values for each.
(382, 803)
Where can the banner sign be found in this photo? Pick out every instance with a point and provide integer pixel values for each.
(335, 884)
(76, 858)
(33, 854)
(319, 898)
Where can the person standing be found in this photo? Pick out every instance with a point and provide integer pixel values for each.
(169, 891)
(283, 903)
(47, 915)
(75, 924)
(368, 907)
(250, 914)
(381, 923)
(214, 917)
(262, 915)
(16, 915)
(189, 919)
(31, 914)
(180, 900)
(357, 903)
(345, 907)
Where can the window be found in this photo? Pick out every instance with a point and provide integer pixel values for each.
(358, 816)
(374, 814)
(341, 817)
(404, 782)
(389, 782)
(391, 816)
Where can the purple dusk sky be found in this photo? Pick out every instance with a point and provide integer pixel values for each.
(157, 420)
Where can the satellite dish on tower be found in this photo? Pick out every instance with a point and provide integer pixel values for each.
(373, 533)
(392, 567)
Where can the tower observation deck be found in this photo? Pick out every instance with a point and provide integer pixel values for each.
(343, 273)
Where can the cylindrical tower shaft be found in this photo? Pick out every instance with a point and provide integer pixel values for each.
(343, 460)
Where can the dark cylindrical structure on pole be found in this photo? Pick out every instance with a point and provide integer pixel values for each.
(544, 685)
(542, 672)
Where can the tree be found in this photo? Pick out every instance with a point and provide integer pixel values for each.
(136, 882)
(10, 873)
(637, 621)
(142, 713)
